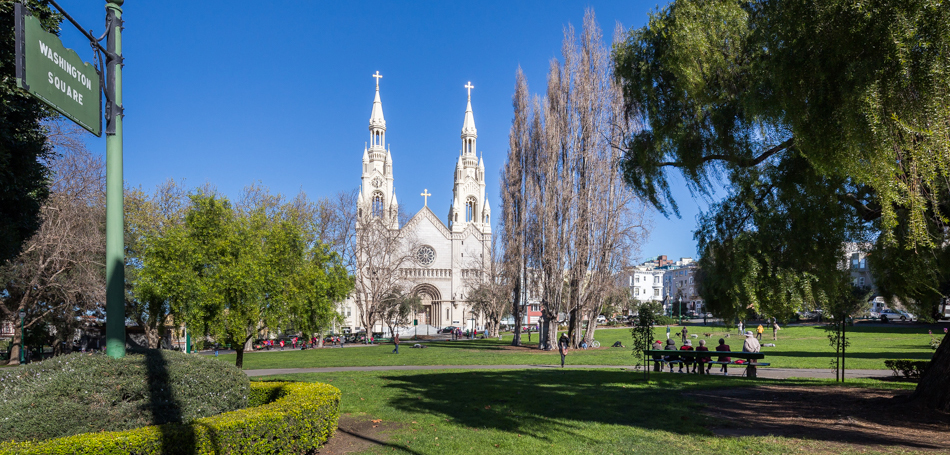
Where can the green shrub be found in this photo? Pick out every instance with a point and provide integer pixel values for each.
(910, 369)
(289, 418)
(81, 393)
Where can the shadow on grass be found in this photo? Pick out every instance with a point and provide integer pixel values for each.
(886, 355)
(542, 402)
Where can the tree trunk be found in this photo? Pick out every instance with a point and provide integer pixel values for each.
(239, 358)
(516, 315)
(933, 390)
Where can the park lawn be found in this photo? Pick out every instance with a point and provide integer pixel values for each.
(603, 411)
(797, 347)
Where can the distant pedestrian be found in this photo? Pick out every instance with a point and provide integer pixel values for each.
(685, 334)
(396, 342)
(281, 345)
(758, 332)
(740, 327)
(563, 346)
(704, 317)
(667, 332)
(775, 329)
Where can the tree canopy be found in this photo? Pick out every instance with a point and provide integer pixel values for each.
(829, 123)
(24, 152)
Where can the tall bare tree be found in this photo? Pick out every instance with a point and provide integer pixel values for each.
(514, 206)
(490, 288)
(58, 278)
(582, 224)
(375, 252)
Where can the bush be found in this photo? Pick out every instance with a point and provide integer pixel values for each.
(81, 393)
(910, 369)
(288, 418)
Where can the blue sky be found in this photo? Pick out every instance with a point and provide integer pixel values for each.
(233, 93)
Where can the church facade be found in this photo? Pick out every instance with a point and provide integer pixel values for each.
(446, 256)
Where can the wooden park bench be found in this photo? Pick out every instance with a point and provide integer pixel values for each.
(751, 358)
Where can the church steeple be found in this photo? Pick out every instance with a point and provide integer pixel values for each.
(377, 124)
(377, 196)
(469, 193)
(469, 133)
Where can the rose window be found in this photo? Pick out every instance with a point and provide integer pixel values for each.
(425, 255)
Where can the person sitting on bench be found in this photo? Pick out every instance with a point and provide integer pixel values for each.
(687, 360)
(671, 346)
(657, 358)
(703, 362)
(724, 347)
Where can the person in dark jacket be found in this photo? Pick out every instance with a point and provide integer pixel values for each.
(563, 346)
(724, 347)
(671, 346)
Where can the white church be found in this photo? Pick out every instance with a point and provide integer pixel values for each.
(446, 252)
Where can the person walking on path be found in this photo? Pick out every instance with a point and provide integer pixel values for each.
(723, 347)
(775, 329)
(758, 332)
(396, 342)
(563, 345)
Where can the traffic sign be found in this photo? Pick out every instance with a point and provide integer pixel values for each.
(56, 75)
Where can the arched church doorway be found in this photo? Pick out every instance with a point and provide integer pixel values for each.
(429, 298)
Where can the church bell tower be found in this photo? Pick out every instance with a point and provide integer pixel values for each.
(469, 205)
(377, 196)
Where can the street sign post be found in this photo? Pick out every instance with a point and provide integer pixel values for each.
(56, 75)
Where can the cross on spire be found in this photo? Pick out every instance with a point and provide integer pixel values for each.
(377, 76)
(425, 194)
(469, 86)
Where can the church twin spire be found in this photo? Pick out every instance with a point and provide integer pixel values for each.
(377, 196)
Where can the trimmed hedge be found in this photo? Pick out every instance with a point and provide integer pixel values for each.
(83, 393)
(287, 418)
(909, 369)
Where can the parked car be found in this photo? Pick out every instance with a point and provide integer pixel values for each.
(890, 314)
(448, 329)
(601, 319)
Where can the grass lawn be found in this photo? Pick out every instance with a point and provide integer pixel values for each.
(797, 347)
(547, 411)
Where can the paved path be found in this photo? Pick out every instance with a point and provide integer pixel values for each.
(763, 372)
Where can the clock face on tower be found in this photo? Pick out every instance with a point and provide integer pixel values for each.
(377, 182)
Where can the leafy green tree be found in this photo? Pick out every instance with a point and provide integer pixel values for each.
(24, 152)
(829, 119)
(149, 217)
(235, 272)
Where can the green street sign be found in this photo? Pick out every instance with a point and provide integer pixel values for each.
(56, 75)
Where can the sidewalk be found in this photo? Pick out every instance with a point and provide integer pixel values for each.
(763, 372)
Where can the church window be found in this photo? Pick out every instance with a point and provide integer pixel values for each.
(425, 255)
(486, 218)
(377, 204)
(470, 209)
